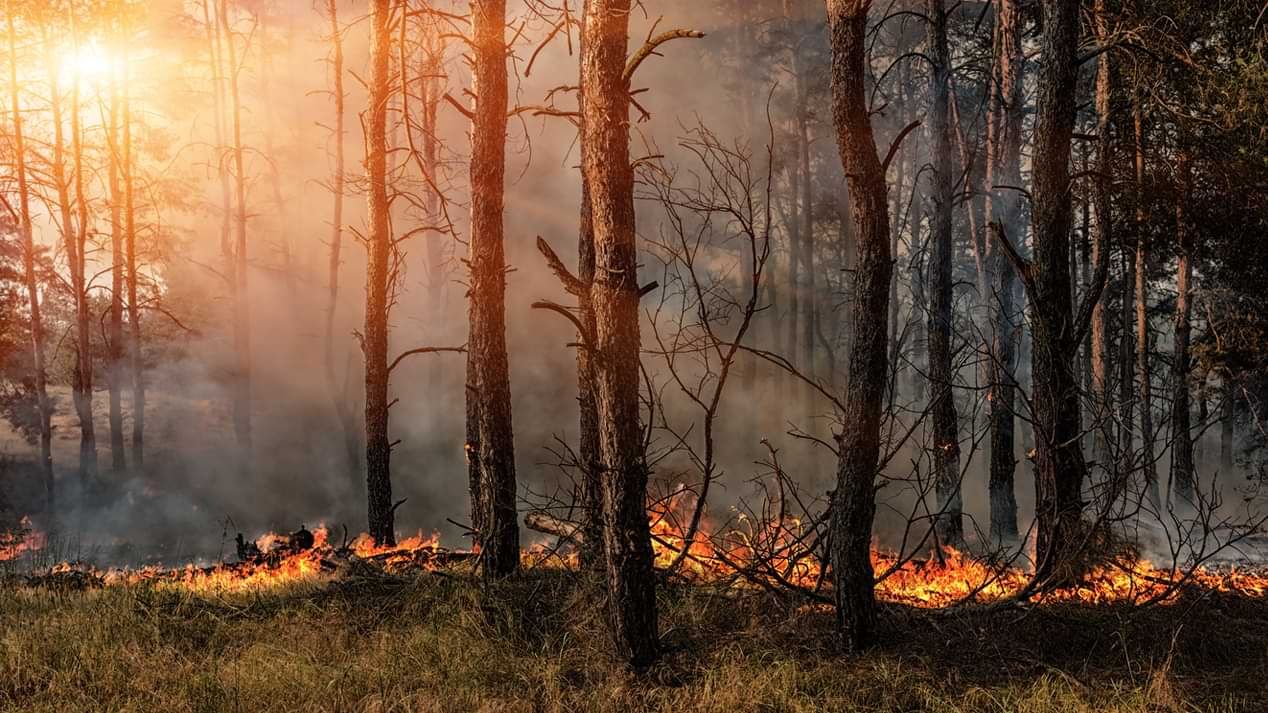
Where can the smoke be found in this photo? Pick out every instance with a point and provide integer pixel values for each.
(192, 490)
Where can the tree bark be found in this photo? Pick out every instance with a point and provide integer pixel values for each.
(588, 448)
(1101, 236)
(1059, 466)
(44, 406)
(614, 296)
(853, 502)
(1142, 315)
(378, 449)
(1004, 169)
(946, 448)
(1182, 438)
(491, 445)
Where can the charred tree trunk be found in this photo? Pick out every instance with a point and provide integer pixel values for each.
(614, 297)
(1182, 446)
(853, 503)
(378, 449)
(343, 410)
(1059, 465)
(1004, 169)
(946, 448)
(491, 443)
(44, 406)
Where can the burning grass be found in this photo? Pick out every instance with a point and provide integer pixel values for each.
(439, 641)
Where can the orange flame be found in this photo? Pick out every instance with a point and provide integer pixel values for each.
(25, 539)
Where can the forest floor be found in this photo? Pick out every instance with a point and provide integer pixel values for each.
(441, 642)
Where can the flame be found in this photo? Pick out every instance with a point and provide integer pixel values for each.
(26, 539)
(746, 553)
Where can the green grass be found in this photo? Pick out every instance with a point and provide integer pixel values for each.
(443, 643)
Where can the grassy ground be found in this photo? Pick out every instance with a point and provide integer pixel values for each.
(441, 643)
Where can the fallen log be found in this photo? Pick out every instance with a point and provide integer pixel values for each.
(548, 524)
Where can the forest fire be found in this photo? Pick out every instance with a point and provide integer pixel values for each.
(676, 320)
(770, 556)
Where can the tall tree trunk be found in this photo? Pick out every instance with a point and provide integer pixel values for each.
(1126, 367)
(795, 179)
(491, 445)
(807, 258)
(614, 297)
(135, 357)
(114, 340)
(853, 502)
(1101, 235)
(343, 409)
(83, 309)
(1004, 169)
(946, 447)
(215, 54)
(378, 449)
(432, 93)
(43, 405)
(1060, 469)
(588, 449)
(1182, 446)
(241, 303)
(1142, 314)
(74, 214)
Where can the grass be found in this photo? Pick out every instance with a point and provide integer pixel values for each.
(444, 643)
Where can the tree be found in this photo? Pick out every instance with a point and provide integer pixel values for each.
(43, 404)
(614, 295)
(946, 448)
(1142, 312)
(241, 301)
(1057, 328)
(1004, 208)
(343, 410)
(1101, 236)
(1182, 445)
(74, 224)
(853, 502)
(490, 439)
(588, 449)
(378, 449)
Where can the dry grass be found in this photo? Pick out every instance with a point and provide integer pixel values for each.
(441, 643)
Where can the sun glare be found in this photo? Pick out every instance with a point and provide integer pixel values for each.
(89, 63)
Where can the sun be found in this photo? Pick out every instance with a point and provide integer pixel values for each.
(89, 63)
